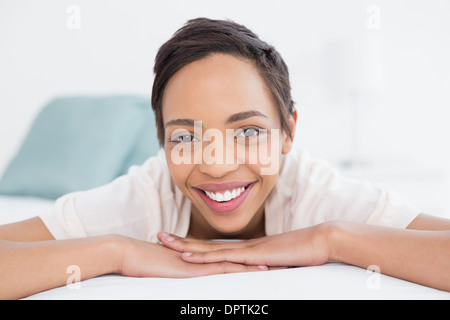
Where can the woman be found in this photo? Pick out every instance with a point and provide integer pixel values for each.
(227, 170)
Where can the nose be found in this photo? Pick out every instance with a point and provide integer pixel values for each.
(218, 159)
(216, 170)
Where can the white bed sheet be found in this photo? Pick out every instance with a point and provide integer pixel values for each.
(330, 281)
(14, 209)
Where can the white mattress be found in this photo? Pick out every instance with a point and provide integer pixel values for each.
(19, 208)
(330, 281)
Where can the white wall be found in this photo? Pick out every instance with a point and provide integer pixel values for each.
(395, 53)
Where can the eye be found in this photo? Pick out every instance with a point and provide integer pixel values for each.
(184, 138)
(248, 133)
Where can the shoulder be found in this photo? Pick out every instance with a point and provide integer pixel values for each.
(123, 206)
(313, 191)
(300, 193)
(152, 169)
(298, 167)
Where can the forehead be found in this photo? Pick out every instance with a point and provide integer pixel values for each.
(214, 87)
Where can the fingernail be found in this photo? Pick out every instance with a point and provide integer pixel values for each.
(263, 267)
(168, 237)
(187, 254)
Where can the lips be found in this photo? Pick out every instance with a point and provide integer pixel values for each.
(224, 197)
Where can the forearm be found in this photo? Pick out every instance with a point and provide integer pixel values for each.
(418, 256)
(30, 267)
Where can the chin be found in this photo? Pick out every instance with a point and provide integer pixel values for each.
(230, 226)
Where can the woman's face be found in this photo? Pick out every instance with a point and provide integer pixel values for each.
(223, 143)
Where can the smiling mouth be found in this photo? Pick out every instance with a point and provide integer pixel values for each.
(225, 197)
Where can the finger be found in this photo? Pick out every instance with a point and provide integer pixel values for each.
(229, 267)
(184, 244)
(278, 268)
(162, 235)
(221, 255)
(194, 245)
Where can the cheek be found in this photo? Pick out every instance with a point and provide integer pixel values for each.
(267, 181)
(179, 172)
(264, 157)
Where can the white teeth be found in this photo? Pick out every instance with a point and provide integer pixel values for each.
(226, 196)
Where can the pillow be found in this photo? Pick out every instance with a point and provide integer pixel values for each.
(78, 143)
(147, 143)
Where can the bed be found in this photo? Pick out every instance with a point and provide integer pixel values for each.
(330, 281)
(52, 161)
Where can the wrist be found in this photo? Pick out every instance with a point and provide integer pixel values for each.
(113, 248)
(333, 233)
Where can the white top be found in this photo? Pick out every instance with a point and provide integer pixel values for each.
(146, 201)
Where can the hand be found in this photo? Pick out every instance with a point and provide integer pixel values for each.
(144, 259)
(303, 247)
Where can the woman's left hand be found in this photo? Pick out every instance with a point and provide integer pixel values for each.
(303, 247)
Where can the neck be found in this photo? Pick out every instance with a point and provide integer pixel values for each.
(199, 228)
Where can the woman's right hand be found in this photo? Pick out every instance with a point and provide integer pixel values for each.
(145, 259)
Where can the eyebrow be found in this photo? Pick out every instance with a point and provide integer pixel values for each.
(233, 118)
(180, 122)
(244, 115)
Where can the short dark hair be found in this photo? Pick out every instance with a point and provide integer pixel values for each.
(201, 37)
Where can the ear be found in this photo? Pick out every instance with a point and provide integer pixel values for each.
(288, 141)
